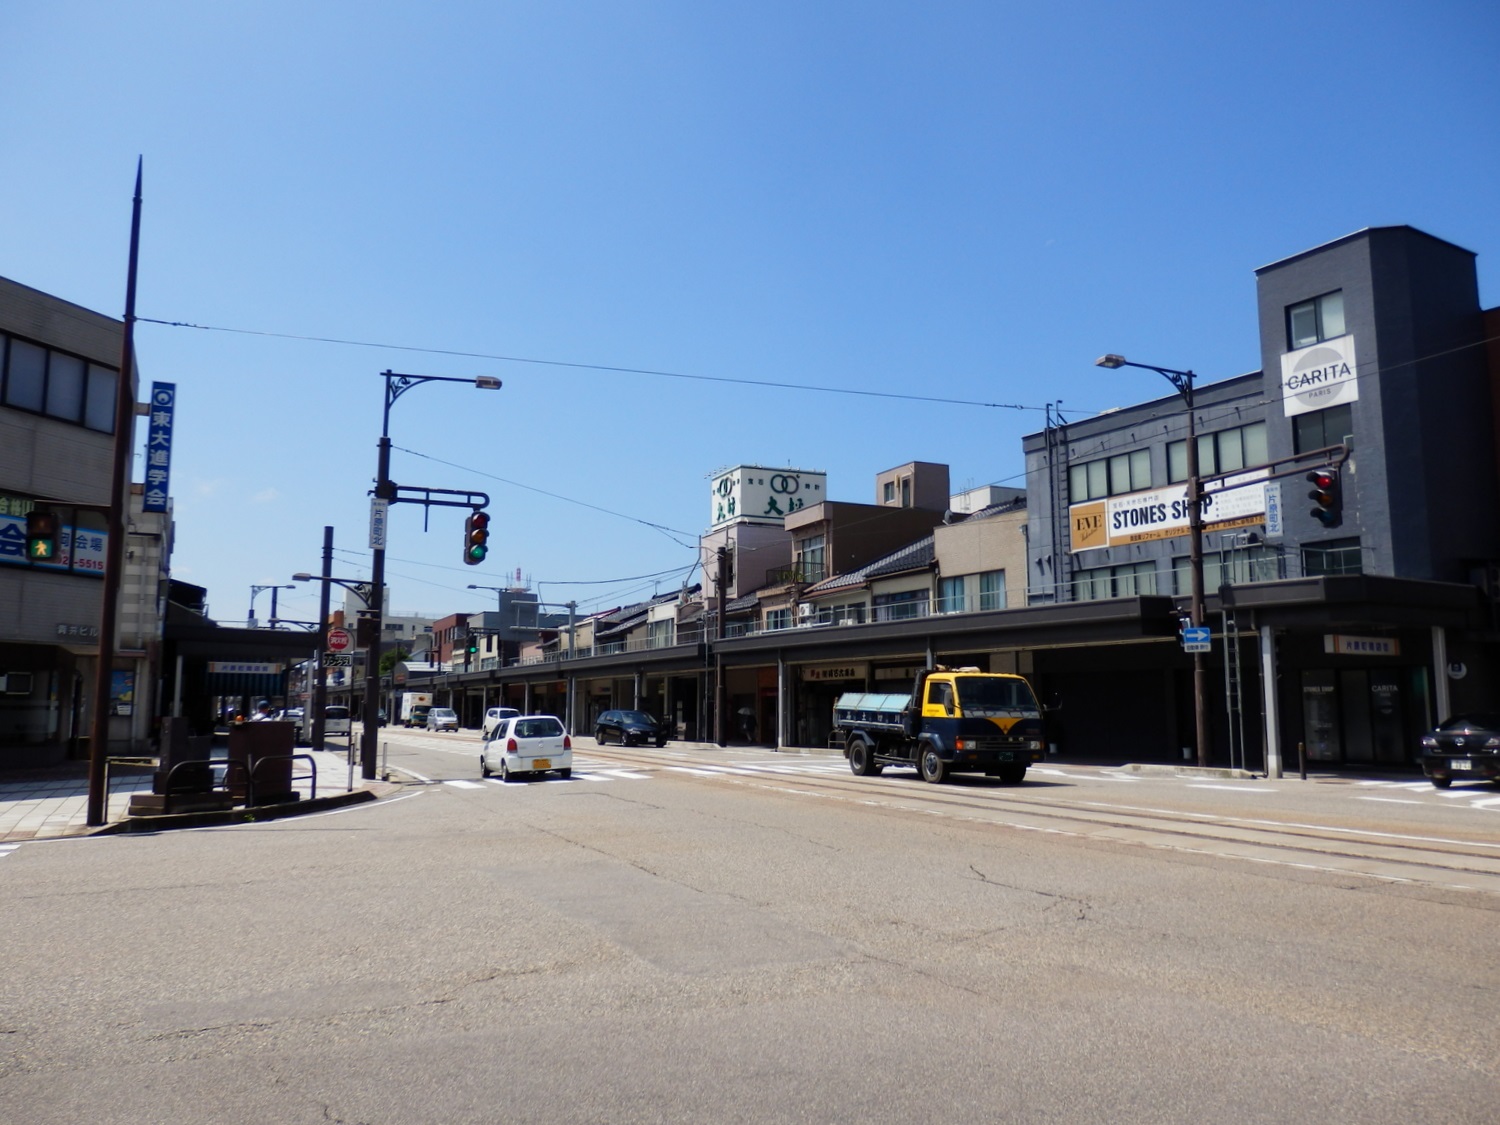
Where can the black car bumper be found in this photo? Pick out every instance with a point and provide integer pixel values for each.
(1459, 767)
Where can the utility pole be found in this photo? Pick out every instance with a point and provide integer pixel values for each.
(721, 695)
(114, 554)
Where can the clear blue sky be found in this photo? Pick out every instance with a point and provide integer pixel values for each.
(956, 200)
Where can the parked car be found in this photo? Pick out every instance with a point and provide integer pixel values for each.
(493, 718)
(442, 718)
(629, 728)
(336, 719)
(527, 744)
(293, 715)
(1464, 747)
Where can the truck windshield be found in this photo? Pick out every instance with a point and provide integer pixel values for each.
(992, 695)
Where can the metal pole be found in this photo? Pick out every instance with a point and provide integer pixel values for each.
(721, 720)
(320, 674)
(1195, 565)
(114, 554)
(370, 739)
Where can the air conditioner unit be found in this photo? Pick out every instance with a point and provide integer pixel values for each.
(806, 609)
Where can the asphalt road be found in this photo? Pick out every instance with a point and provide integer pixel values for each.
(726, 936)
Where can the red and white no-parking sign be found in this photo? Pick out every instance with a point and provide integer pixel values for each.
(339, 640)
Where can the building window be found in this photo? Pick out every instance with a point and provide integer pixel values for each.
(778, 619)
(951, 595)
(1110, 476)
(1225, 451)
(1322, 318)
(1220, 568)
(889, 496)
(1336, 556)
(659, 634)
(59, 385)
(1127, 581)
(1322, 428)
(810, 559)
(906, 492)
(899, 607)
(992, 589)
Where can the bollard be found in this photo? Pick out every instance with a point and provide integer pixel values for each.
(1302, 759)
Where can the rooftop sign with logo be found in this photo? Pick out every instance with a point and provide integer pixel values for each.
(752, 494)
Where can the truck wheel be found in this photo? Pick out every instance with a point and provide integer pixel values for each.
(932, 767)
(1013, 775)
(862, 758)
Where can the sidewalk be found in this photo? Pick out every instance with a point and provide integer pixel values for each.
(48, 803)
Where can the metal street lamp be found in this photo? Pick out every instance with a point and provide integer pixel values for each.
(1183, 381)
(255, 591)
(499, 594)
(384, 494)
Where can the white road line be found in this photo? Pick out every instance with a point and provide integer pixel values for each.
(1391, 800)
(6, 849)
(627, 775)
(1487, 803)
(465, 784)
(1229, 788)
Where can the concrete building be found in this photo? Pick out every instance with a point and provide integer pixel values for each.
(59, 369)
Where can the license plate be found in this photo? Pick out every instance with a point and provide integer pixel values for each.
(541, 763)
(1460, 764)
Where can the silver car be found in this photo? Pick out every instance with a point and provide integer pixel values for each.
(442, 718)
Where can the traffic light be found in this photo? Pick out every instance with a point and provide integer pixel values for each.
(41, 535)
(476, 537)
(473, 644)
(364, 630)
(1328, 494)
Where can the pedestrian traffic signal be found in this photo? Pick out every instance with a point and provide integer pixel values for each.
(41, 535)
(476, 537)
(1328, 494)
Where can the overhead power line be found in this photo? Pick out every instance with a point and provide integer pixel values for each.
(593, 366)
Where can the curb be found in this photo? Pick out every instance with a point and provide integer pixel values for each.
(255, 814)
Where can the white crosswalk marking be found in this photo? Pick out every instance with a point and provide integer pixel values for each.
(465, 784)
(6, 849)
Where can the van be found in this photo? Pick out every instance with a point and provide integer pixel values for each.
(335, 720)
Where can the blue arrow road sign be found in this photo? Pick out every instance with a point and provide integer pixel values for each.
(1195, 638)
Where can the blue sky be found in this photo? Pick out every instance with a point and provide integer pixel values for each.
(947, 200)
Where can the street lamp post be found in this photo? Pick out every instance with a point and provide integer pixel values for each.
(1183, 381)
(320, 683)
(384, 494)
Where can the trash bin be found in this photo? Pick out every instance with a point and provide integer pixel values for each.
(264, 751)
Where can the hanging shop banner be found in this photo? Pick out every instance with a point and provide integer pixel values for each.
(1162, 513)
(1318, 377)
(80, 550)
(159, 447)
(821, 672)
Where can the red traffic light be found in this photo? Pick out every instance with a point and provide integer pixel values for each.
(1327, 494)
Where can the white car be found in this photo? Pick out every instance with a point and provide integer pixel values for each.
(493, 718)
(527, 744)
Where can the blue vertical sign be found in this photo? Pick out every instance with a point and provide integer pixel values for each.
(159, 447)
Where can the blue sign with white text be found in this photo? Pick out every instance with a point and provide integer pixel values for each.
(1195, 638)
(159, 447)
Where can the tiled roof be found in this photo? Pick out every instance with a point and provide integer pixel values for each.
(914, 556)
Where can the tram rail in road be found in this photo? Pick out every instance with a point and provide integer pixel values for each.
(1464, 859)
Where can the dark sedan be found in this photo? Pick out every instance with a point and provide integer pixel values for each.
(1465, 747)
(629, 728)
